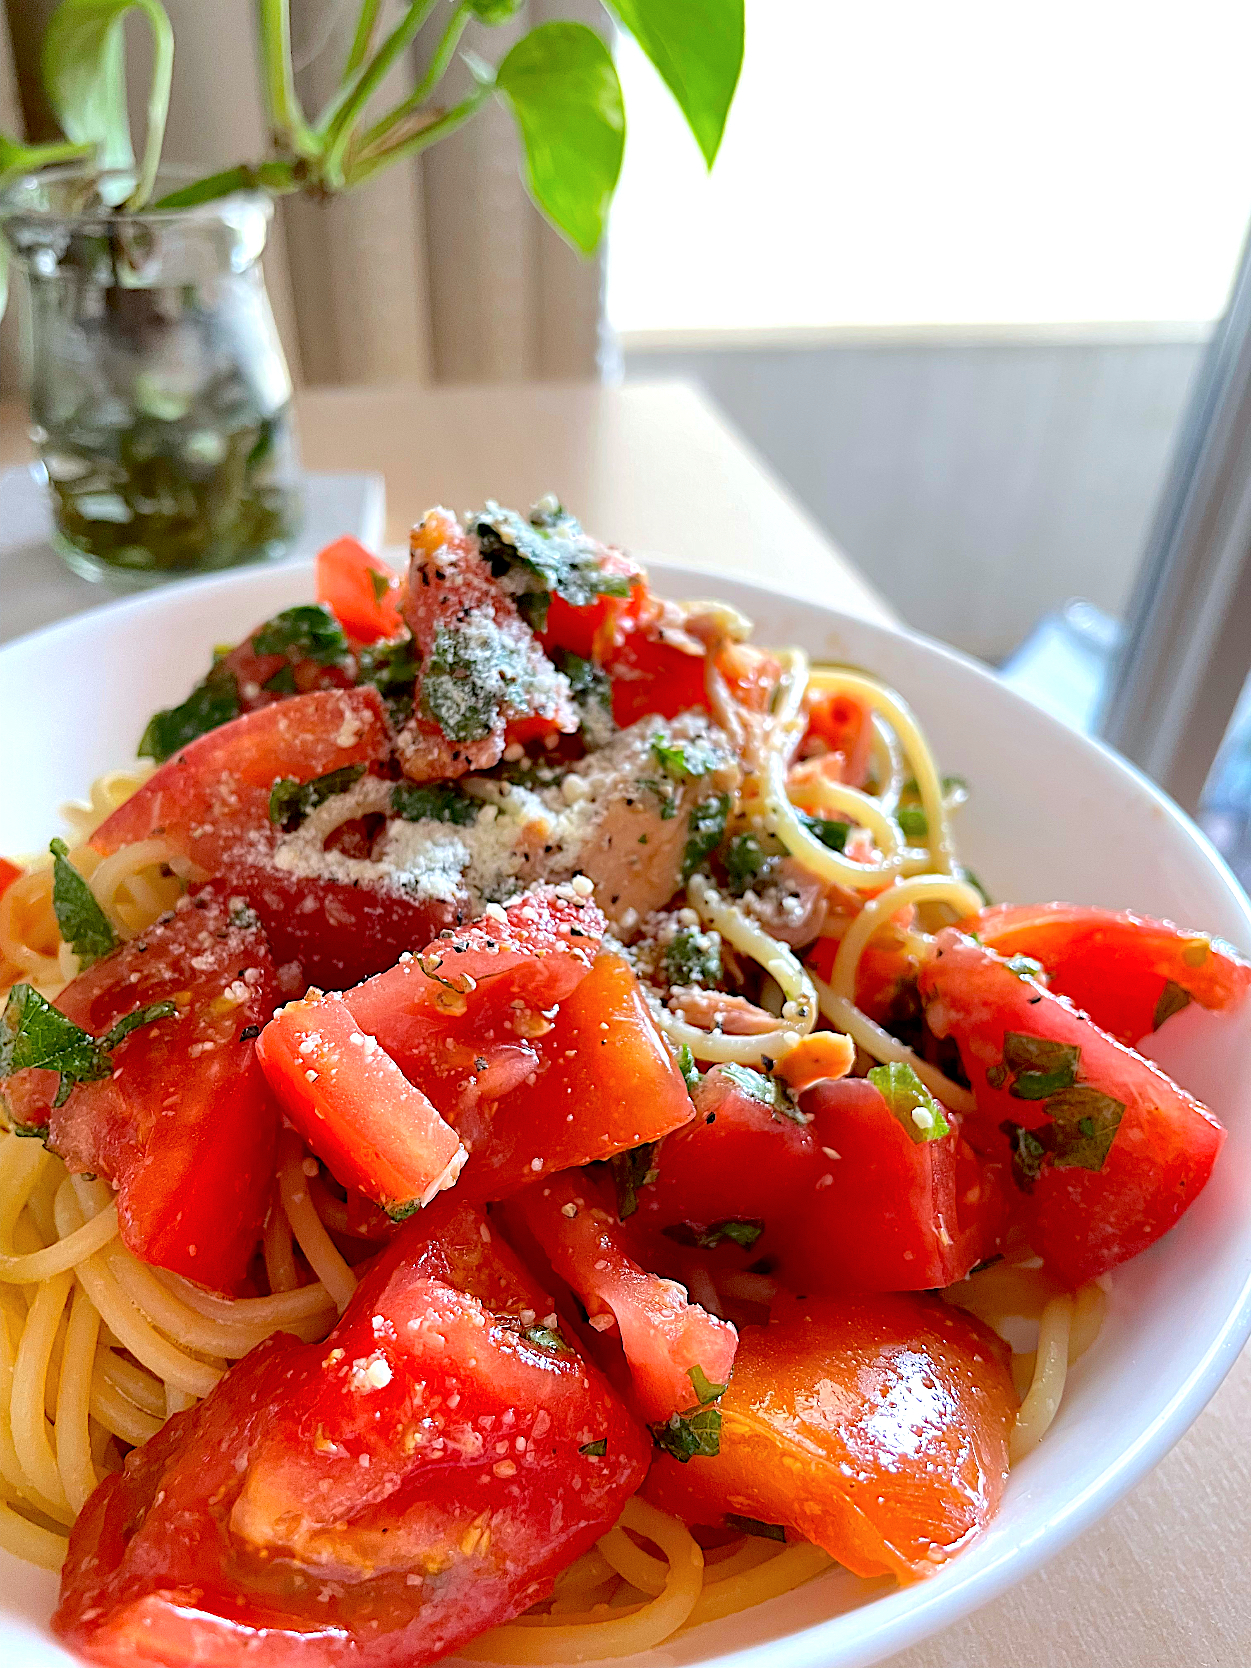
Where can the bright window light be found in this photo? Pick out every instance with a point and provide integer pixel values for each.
(972, 162)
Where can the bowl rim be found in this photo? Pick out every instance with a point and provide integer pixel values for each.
(904, 1616)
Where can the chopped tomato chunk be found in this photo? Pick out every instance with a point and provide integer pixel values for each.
(1128, 972)
(1106, 1151)
(9, 872)
(373, 1500)
(578, 629)
(845, 1201)
(355, 1107)
(362, 592)
(185, 1127)
(538, 1057)
(484, 678)
(211, 800)
(675, 1349)
(839, 724)
(876, 1427)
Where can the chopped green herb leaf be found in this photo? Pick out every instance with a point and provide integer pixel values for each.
(754, 1526)
(830, 833)
(665, 795)
(549, 1338)
(683, 761)
(434, 801)
(910, 1102)
(746, 861)
(913, 822)
(689, 1436)
(688, 1068)
(35, 1034)
(1172, 1000)
(591, 688)
(549, 553)
(210, 704)
(692, 957)
(83, 924)
(705, 830)
(473, 671)
(705, 1390)
(401, 1211)
(1084, 1122)
(390, 664)
(767, 1090)
(282, 682)
(1028, 1154)
(705, 1239)
(132, 1021)
(630, 1171)
(595, 1450)
(291, 801)
(307, 632)
(379, 583)
(1038, 1066)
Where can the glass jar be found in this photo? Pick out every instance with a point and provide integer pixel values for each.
(160, 396)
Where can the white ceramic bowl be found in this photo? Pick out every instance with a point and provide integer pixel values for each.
(1051, 816)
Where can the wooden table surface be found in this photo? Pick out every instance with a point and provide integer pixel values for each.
(1165, 1580)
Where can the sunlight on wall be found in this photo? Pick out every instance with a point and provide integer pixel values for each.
(961, 162)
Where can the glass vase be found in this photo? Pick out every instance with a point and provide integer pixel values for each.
(160, 396)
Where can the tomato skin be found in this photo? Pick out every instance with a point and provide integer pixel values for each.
(335, 933)
(355, 1108)
(665, 1337)
(9, 872)
(650, 676)
(579, 629)
(552, 1055)
(885, 1214)
(212, 799)
(344, 585)
(889, 1214)
(186, 1127)
(251, 1528)
(1082, 1222)
(876, 1427)
(1114, 964)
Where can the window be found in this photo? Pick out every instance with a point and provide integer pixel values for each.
(972, 162)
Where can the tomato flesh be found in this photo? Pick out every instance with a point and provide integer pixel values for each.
(374, 1500)
(665, 1337)
(360, 590)
(538, 1056)
(847, 1201)
(211, 800)
(1116, 965)
(876, 1427)
(355, 1107)
(185, 1128)
(1085, 1205)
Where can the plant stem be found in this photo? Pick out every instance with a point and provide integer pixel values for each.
(363, 38)
(278, 178)
(435, 71)
(285, 115)
(340, 131)
(437, 128)
(158, 101)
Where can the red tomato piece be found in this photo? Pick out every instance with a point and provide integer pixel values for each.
(1115, 965)
(876, 1427)
(839, 724)
(212, 799)
(651, 676)
(372, 1501)
(888, 1213)
(355, 1108)
(334, 932)
(578, 630)
(848, 1201)
(494, 683)
(9, 872)
(529, 1049)
(360, 590)
(885, 972)
(1106, 1150)
(185, 1128)
(668, 1340)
